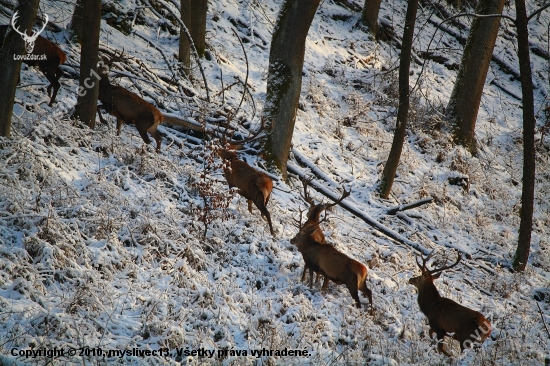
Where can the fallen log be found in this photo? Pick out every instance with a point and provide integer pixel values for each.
(355, 211)
(395, 209)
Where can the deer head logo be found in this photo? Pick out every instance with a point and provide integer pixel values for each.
(29, 40)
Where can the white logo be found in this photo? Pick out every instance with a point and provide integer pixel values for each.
(29, 41)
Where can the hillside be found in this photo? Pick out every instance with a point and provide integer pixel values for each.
(100, 240)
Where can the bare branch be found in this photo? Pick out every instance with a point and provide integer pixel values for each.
(449, 19)
(537, 12)
(395, 209)
(247, 71)
(186, 31)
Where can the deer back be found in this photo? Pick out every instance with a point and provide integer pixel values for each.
(126, 105)
(54, 55)
(336, 265)
(451, 317)
(248, 179)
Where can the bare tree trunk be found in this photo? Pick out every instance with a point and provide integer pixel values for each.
(86, 105)
(388, 175)
(528, 188)
(185, 45)
(466, 96)
(284, 80)
(199, 9)
(77, 21)
(369, 16)
(9, 76)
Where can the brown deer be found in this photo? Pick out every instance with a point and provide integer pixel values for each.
(50, 66)
(445, 315)
(312, 225)
(128, 107)
(332, 264)
(253, 184)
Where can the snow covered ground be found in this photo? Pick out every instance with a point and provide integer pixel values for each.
(100, 243)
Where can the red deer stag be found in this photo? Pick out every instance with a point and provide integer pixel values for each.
(445, 315)
(332, 264)
(253, 184)
(39, 46)
(312, 225)
(128, 107)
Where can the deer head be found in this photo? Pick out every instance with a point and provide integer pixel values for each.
(429, 275)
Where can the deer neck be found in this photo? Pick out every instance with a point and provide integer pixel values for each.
(315, 216)
(427, 296)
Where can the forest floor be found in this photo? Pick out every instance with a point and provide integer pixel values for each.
(101, 243)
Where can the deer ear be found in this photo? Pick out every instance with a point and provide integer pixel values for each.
(436, 276)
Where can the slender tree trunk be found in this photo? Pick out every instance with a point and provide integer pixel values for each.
(466, 96)
(77, 21)
(185, 46)
(388, 175)
(199, 9)
(284, 80)
(369, 16)
(86, 105)
(9, 76)
(528, 188)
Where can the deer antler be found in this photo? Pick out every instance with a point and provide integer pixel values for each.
(298, 222)
(338, 201)
(422, 266)
(447, 267)
(305, 181)
(238, 144)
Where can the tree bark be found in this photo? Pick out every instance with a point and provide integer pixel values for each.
(185, 45)
(466, 96)
(388, 175)
(528, 188)
(86, 105)
(77, 21)
(199, 9)
(9, 77)
(284, 80)
(369, 16)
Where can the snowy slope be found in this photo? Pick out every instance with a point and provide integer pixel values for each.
(100, 246)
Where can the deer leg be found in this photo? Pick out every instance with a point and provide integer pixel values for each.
(144, 136)
(304, 273)
(157, 137)
(99, 107)
(325, 284)
(250, 206)
(366, 291)
(310, 277)
(440, 336)
(260, 204)
(54, 82)
(352, 287)
(56, 87)
(119, 125)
